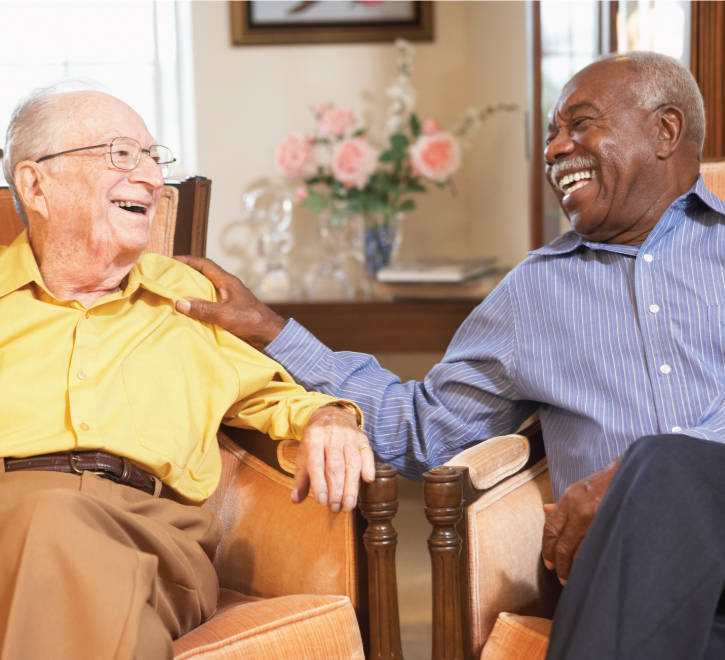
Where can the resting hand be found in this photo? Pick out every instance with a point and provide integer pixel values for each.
(238, 311)
(333, 454)
(568, 522)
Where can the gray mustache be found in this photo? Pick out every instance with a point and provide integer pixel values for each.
(574, 163)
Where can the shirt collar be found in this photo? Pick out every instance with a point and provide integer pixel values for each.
(18, 268)
(693, 198)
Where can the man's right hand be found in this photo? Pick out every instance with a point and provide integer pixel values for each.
(238, 310)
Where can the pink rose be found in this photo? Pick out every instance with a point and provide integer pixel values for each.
(430, 126)
(353, 162)
(294, 158)
(333, 122)
(302, 193)
(436, 156)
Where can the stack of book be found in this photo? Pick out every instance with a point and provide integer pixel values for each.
(436, 279)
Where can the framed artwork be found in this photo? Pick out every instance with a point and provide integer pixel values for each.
(260, 22)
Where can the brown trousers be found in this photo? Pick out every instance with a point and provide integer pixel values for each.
(90, 570)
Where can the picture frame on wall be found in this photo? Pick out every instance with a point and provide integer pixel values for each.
(256, 22)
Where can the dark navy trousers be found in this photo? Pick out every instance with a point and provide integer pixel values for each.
(648, 581)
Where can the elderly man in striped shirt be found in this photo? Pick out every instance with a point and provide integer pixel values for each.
(615, 333)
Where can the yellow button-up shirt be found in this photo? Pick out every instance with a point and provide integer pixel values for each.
(132, 376)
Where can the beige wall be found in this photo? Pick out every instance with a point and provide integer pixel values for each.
(248, 98)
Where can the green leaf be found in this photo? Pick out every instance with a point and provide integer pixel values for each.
(315, 202)
(407, 205)
(398, 141)
(359, 132)
(387, 156)
(413, 186)
(414, 125)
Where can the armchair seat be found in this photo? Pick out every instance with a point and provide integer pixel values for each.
(304, 627)
(517, 637)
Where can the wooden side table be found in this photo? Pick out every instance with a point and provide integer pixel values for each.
(381, 326)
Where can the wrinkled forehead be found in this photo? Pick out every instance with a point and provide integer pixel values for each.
(599, 85)
(94, 117)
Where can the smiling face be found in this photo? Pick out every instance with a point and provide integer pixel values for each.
(91, 203)
(602, 155)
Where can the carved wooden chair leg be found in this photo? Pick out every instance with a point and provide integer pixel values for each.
(443, 493)
(378, 505)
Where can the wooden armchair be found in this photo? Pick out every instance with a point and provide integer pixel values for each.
(486, 509)
(296, 581)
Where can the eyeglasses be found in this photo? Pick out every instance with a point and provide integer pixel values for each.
(126, 153)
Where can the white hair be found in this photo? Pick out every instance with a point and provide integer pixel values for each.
(666, 81)
(34, 130)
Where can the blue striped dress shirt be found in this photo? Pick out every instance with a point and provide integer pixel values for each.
(608, 342)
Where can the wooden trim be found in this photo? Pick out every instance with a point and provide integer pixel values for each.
(378, 505)
(192, 216)
(444, 505)
(535, 137)
(244, 33)
(381, 326)
(707, 62)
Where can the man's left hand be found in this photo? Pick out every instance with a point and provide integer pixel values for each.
(334, 453)
(568, 521)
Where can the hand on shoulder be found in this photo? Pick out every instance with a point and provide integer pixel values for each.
(238, 311)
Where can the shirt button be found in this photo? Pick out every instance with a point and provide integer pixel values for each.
(676, 429)
(85, 426)
(654, 308)
(82, 374)
(665, 368)
(648, 258)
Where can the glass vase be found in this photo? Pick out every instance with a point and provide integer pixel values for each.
(383, 237)
(330, 281)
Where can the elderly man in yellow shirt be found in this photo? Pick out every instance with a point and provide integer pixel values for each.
(110, 399)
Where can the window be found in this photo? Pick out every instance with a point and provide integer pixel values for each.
(139, 51)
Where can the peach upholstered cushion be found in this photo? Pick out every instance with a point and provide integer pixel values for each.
(714, 174)
(518, 638)
(299, 627)
(271, 547)
(491, 461)
(504, 534)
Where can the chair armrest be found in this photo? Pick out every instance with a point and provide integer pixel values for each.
(491, 461)
(271, 547)
(485, 544)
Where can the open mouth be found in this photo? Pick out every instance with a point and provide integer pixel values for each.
(132, 207)
(575, 180)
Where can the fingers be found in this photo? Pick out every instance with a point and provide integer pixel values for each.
(353, 468)
(197, 308)
(301, 485)
(368, 460)
(316, 471)
(552, 531)
(216, 274)
(335, 473)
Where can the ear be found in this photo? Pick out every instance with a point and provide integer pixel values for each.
(670, 130)
(29, 184)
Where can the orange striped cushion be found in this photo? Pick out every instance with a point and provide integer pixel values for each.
(517, 637)
(299, 627)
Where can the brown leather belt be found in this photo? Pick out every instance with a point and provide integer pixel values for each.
(108, 466)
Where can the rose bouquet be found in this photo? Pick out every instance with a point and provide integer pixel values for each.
(346, 173)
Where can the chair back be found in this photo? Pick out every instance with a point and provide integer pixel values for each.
(713, 172)
(179, 226)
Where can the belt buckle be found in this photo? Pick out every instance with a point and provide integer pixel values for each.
(73, 461)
